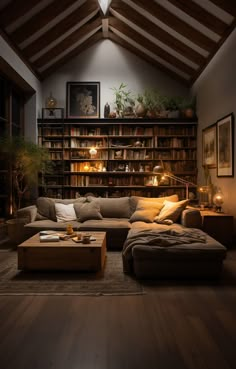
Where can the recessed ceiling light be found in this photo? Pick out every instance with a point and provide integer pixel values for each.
(104, 5)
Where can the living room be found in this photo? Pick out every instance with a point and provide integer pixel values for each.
(182, 325)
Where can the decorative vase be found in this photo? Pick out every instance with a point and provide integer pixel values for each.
(140, 110)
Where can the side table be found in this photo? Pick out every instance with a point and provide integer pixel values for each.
(218, 225)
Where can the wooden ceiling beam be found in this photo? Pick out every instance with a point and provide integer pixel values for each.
(40, 20)
(147, 58)
(150, 46)
(67, 43)
(15, 10)
(201, 15)
(228, 6)
(177, 24)
(68, 57)
(133, 16)
(61, 28)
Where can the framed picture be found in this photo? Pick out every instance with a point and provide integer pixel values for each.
(83, 99)
(225, 148)
(209, 146)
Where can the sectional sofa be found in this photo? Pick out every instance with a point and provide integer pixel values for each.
(142, 227)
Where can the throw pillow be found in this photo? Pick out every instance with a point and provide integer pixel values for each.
(172, 210)
(134, 200)
(65, 212)
(88, 210)
(146, 211)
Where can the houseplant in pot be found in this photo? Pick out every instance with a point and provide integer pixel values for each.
(124, 101)
(26, 160)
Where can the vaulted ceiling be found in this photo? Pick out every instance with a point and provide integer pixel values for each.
(179, 37)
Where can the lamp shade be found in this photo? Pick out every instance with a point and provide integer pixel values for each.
(158, 170)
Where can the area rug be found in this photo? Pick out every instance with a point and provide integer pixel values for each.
(111, 281)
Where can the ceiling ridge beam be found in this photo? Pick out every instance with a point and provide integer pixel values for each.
(40, 20)
(63, 26)
(134, 17)
(132, 49)
(149, 45)
(175, 23)
(66, 43)
(81, 48)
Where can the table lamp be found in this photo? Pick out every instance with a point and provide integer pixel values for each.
(161, 173)
(218, 200)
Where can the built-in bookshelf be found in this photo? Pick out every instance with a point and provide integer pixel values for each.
(126, 151)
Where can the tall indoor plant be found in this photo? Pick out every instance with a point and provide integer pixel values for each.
(26, 160)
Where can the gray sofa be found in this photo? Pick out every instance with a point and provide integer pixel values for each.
(111, 215)
(120, 218)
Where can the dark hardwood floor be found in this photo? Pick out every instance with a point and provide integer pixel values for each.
(179, 326)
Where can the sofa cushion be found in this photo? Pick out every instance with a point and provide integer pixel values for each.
(117, 207)
(172, 210)
(65, 212)
(88, 210)
(46, 206)
(134, 200)
(146, 211)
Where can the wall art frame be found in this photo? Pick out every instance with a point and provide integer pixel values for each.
(225, 146)
(83, 99)
(209, 146)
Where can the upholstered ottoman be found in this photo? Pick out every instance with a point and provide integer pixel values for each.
(202, 258)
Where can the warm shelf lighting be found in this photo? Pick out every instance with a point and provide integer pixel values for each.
(93, 152)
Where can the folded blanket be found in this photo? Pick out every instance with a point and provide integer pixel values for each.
(162, 238)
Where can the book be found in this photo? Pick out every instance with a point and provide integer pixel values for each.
(49, 238)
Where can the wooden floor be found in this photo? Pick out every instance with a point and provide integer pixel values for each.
(177, 327)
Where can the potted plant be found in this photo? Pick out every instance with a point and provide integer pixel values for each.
(140, 109)
(188, 107)
(172, 106)
(153, 102)
(26, 160)
(123, 100)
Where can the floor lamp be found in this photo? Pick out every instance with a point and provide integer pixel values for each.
(161, 173)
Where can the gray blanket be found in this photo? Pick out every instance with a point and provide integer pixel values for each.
(162, 238)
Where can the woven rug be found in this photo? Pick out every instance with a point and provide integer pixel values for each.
(111, 281)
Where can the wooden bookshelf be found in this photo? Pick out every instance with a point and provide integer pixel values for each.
(127, 152)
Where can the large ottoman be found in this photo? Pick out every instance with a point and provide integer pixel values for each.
(195, 259)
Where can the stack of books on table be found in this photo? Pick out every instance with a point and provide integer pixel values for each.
(48, 236)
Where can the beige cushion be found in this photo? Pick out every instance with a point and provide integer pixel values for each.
(146, 211)
(88, 210)
(134, 200)
(65, 212)
(118, 207)
(171, 210)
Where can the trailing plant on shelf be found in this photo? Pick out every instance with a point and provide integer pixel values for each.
(124, 100)
(26, 159)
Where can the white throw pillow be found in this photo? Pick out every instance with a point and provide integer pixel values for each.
(65, 212)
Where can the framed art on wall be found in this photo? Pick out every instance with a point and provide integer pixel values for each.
(83, 99)
(209, 146)
(225, 148)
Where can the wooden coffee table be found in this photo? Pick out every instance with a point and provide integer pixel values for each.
(62, 255)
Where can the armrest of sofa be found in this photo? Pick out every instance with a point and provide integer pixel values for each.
(191, 218)
(29, 213)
